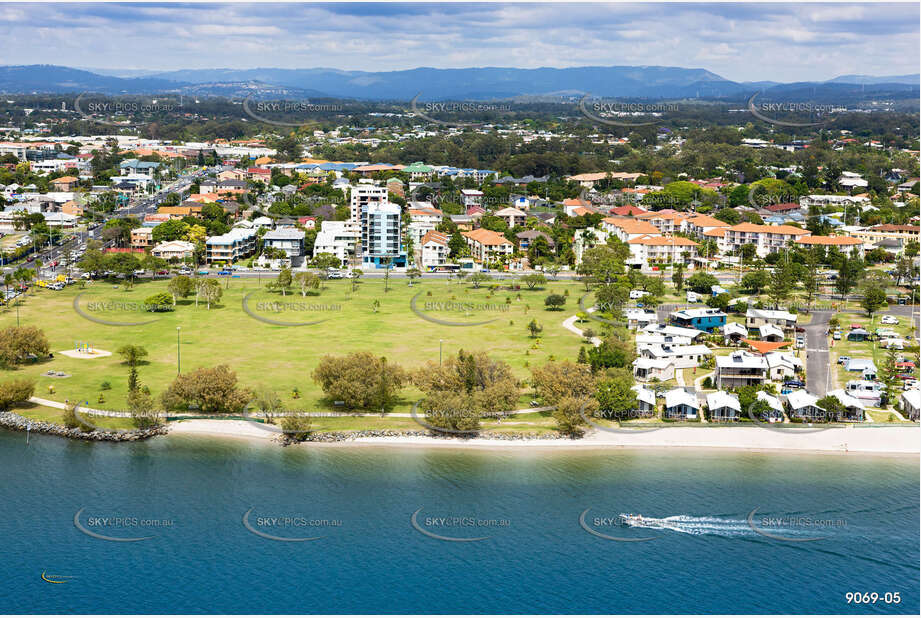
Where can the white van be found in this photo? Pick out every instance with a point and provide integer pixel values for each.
(693, 297)
(637, 294)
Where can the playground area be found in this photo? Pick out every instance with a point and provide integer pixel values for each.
(85, 350)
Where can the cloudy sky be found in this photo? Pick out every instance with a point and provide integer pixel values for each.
(742, 42)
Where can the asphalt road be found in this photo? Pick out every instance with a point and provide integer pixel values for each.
(817, 360)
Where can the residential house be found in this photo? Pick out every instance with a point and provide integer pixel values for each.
(704, 319)
(72, 208)
(641, 318)
(645, 369)
(723, 406)
(803, 406)
(911, 404)
(758, 317)
(740, 368)
(681, 405)
(769, 332)
(854, 409)
(782, 366)
(775, 414)
(289, 240)
(65, 183)
(681, 356)
(262, 174)
(142, 168)
(645, 400)
(733, 332)
(174, 249)
(667, 329)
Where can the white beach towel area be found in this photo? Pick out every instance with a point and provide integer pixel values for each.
(893, 440)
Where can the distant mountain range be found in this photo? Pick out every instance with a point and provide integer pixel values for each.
(646, 82)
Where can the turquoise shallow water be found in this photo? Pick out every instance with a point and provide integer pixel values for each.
(703, 555)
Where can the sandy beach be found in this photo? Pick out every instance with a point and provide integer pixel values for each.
(891, 440)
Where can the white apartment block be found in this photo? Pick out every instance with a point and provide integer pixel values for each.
(339, 238)
(434, 249)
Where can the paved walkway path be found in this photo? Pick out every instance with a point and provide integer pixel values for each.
(570, 325)
(60, 406)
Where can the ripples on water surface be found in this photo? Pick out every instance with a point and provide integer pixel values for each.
(703, 557)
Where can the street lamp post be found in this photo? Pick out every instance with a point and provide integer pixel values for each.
(440, 342)
(178, 353)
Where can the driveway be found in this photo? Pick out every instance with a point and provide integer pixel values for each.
(817, 360)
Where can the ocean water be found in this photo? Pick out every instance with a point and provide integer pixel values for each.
(551, 529)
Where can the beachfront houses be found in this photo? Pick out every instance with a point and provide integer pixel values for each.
(645, 400)
(803, 406)
(911, 404)
(775, 407)
(854, 409)
(681, 405)
(723, 406)
(740, 368)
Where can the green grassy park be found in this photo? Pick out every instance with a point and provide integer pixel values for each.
(335, 321)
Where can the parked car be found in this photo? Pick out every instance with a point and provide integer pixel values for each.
(907, 384)
(888, 319)
(836, 335)
(139, 273)
(225, 272)
(693, 297)
(843, 359)
(203, 272)
(905, 376)
(800, 342)
(637, 294)
(794, 383)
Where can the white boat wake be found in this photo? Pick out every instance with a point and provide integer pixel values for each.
(688, 524)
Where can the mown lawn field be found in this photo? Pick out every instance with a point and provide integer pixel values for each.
(266, 354)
